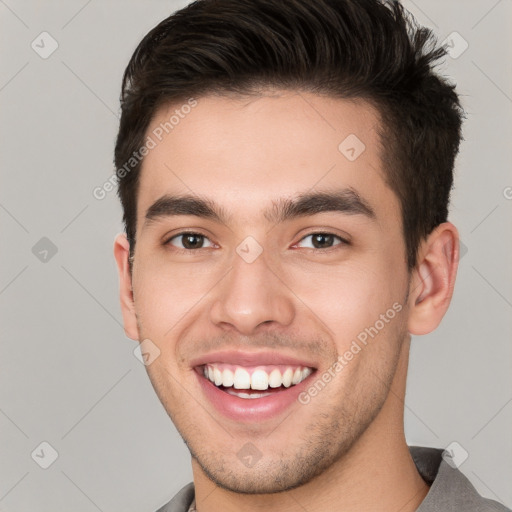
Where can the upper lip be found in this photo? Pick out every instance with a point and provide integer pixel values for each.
(240, 358)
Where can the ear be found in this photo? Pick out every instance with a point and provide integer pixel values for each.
(433, 279)
(121, 254)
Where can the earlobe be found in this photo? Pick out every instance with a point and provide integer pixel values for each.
(433, 279)
(122, 254)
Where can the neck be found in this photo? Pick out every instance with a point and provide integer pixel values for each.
(378, 472)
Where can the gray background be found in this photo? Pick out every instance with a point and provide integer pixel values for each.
(68, 374)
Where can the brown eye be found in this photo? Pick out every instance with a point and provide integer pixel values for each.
(189, 241)
(321, 241)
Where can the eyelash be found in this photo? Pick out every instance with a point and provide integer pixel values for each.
(182, 234)
(342, 241)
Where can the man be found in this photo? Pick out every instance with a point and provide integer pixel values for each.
(285, 170)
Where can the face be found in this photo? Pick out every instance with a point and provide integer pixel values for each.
(269, 259)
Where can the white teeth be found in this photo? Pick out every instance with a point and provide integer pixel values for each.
(217, 375)
(306, 372)
(227, 378)
(259, 380)
(242, 379)
(297, 376)
(274, 379)
(287, 377)
(241, 394)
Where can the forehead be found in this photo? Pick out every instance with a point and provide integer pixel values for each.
(245, 152)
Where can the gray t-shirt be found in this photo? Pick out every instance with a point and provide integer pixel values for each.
(449, 490)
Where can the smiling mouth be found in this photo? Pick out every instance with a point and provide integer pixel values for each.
(255, 381)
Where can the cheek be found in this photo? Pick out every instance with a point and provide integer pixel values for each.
(348, 301)
(165, 295)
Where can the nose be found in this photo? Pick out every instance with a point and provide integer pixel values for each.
(251, 295)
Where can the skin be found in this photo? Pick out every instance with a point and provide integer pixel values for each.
(345, 450)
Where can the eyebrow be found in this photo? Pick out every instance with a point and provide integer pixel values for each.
(347, 201)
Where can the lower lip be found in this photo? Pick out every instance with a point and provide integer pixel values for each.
(249, 410)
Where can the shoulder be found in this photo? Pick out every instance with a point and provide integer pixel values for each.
(181, 501)
(450, 489)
